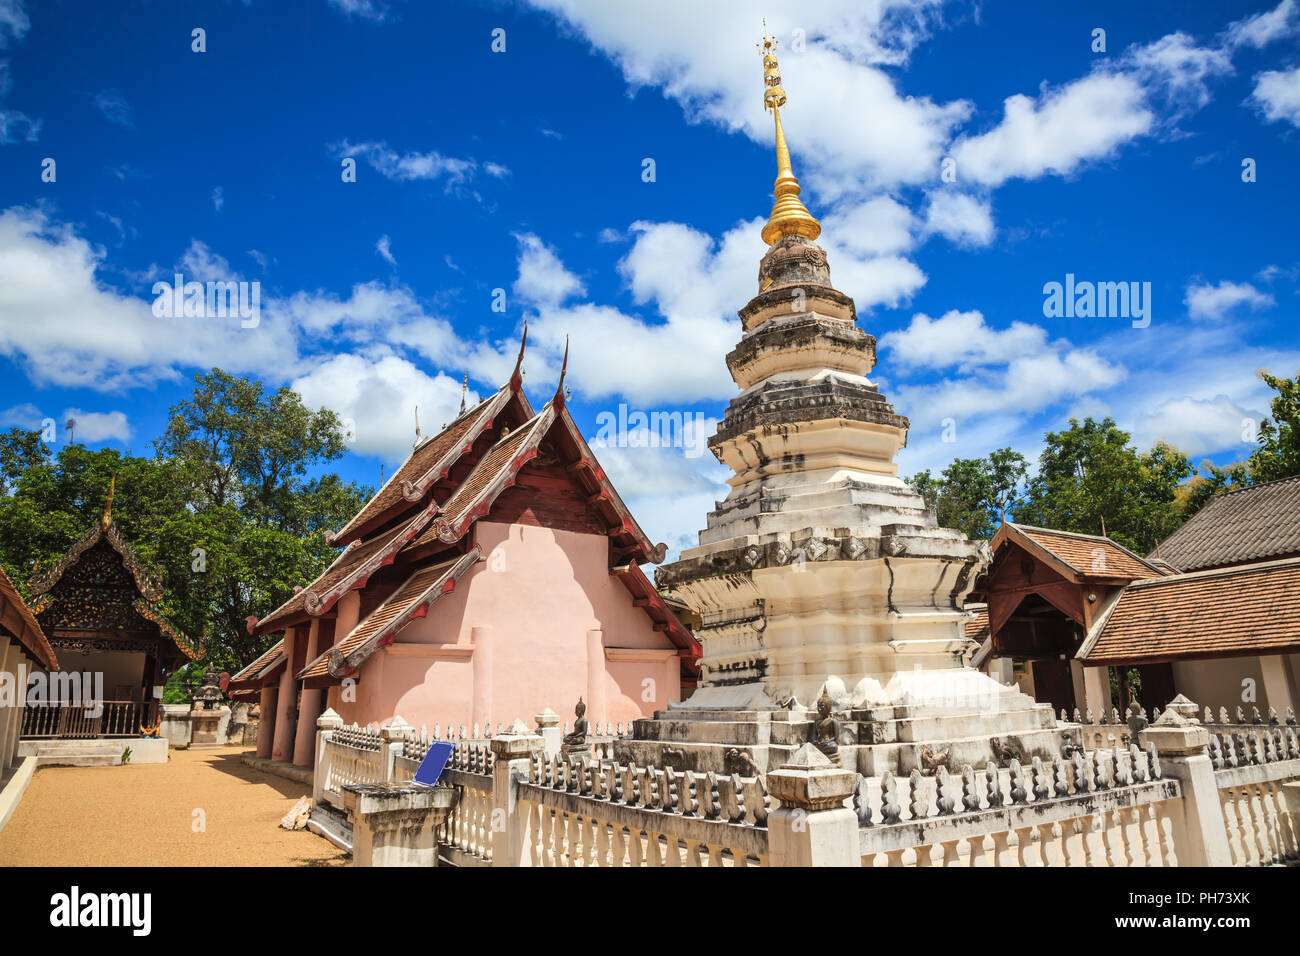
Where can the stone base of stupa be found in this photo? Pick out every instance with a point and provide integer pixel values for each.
(899, 737)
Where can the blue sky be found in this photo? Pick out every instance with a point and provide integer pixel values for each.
(522, 171)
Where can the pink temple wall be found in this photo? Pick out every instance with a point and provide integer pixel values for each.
(514, 637)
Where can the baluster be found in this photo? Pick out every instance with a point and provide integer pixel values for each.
(1145, 823)
(1124, 816)
(617, 846)
(1167, 857)
(672, 852)
(1261, 853)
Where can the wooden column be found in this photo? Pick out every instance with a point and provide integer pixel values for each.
(282, 746)
(11, 718)
(266, 725)
(304, 745)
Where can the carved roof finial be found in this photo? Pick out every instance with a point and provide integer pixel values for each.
(559, 398)
(517, 379)
(464, 390)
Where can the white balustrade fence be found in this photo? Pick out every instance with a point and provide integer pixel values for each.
(601, 813)
(1250, 769)
(1113, 806)
(1108, 808)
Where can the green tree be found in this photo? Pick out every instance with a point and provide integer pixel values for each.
(224, 512)
(974, 495)
(1090, 475)
(1278, 454)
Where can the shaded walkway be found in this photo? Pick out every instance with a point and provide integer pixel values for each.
(144, 815)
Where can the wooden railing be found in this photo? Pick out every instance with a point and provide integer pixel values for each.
(109, 718)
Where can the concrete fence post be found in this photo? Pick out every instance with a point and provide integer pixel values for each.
(548, 726)
(812, 827)
(326, 724)
(394, 733)
(513, 750)
(1200, 837)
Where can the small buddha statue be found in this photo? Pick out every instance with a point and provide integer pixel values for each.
(1137, 721)
(577, 739)
(826, 729)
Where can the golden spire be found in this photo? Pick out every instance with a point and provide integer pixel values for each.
(108, 507)
(464, 390)
(789, 216)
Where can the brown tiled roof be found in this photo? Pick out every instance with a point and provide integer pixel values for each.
(263, 661)
(1252, 524)
(497, 461)
(422, 587)
(24, 626)
(1089, 555)
(977, 625)
(1226, 612)
(461, 431)
(348, 568)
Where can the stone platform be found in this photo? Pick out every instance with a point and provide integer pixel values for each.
(872, 740)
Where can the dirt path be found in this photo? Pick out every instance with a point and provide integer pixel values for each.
(144, 815)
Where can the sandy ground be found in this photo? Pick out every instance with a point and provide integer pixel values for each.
(145, 815)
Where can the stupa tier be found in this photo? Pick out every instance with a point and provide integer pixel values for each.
(822, 571)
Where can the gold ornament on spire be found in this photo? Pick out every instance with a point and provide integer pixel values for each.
(789, 216)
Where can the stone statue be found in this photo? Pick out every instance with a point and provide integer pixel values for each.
(932, 760)
(1004, 752)
(209, 694)
(579, 735)
(1069, 748)
(740, 761)
(1137, 721)
(826, 730)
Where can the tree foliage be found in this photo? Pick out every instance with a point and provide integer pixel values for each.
(974, 495)
(224, 512)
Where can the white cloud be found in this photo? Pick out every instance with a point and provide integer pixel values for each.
(668, 492)
(16, 127)
(63, 325)
(1084, 121)
(848, 121)
(13, 22)
(1012, 372)
(384, 247)
(961, 339)
(378, 395)
(1261, 29)
(1277, 95)
(218, 198)
(543, 279)
(881, 226)
(1205, 301)
(113, 105)
(1197, 426)
(408, 166)
(373, 10)
(961, 218)
(1174, 68)
(97, 426)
